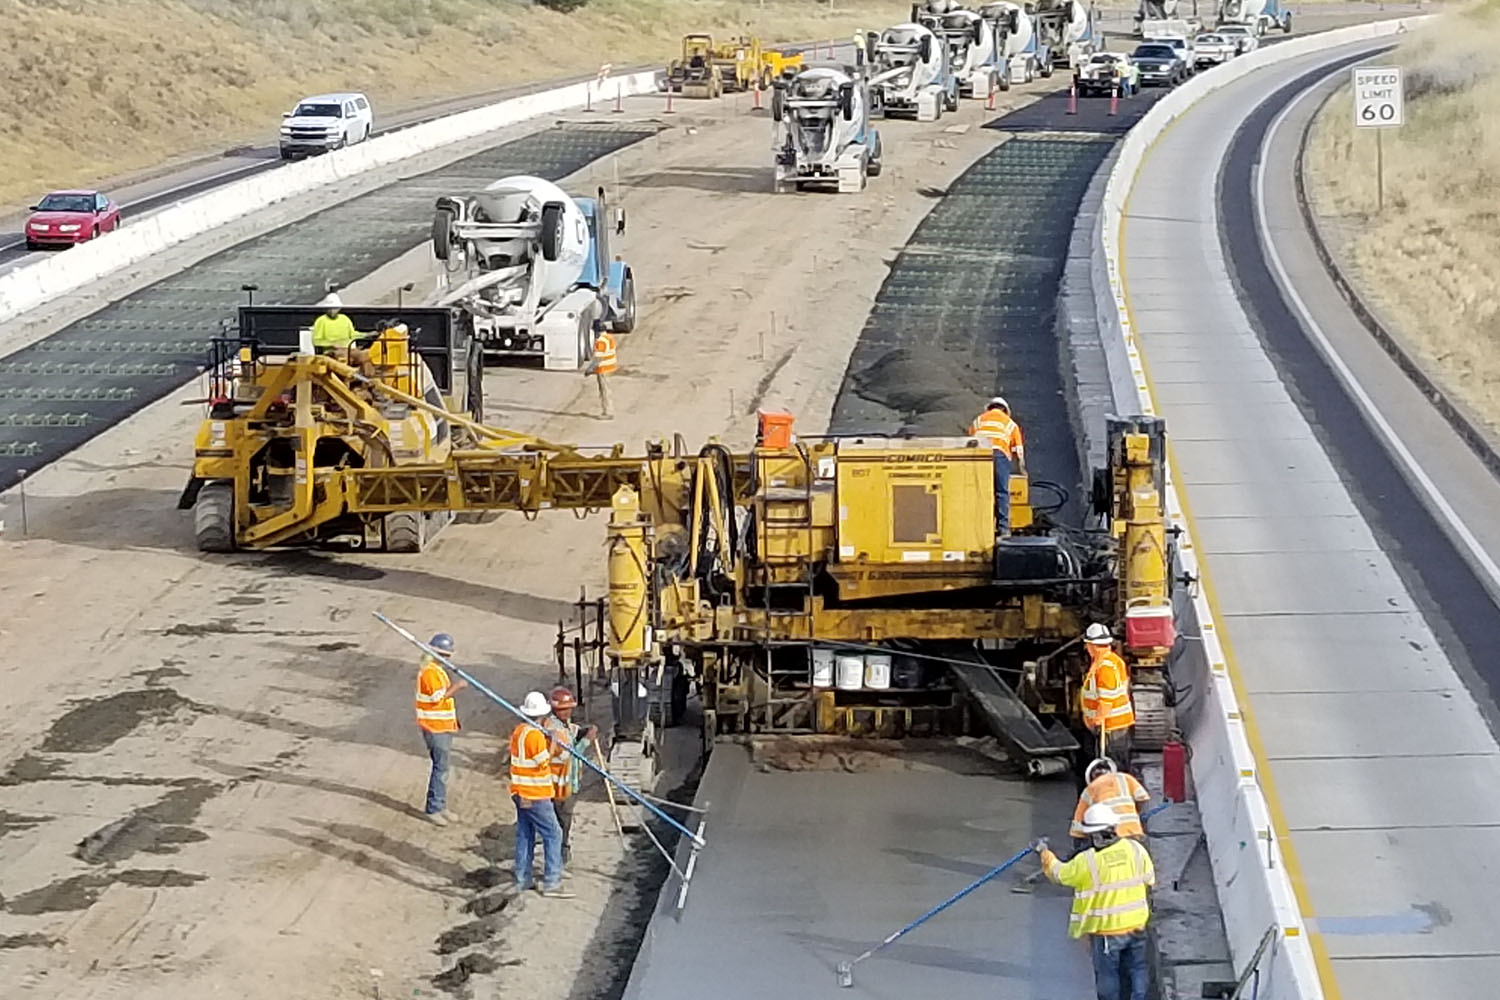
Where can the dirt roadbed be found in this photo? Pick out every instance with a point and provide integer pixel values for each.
(210, 779)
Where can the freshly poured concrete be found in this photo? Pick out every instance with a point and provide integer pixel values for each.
(806, 869)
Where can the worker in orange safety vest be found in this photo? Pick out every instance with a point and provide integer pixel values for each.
(531, 789)
(605, 364)
(567, 770)
(438, 718)
(996, 428)
(1108, 786)
(1107, 709)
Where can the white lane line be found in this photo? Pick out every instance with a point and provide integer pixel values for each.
(1479, 557)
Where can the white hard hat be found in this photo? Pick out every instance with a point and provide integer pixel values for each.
(1000, 402)
(1098, 635)
(332, 301)
(1099, 764)
(536, 705)
(1098, 818)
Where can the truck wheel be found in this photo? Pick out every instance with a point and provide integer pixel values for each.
(552, 230)
(403, 532)
(213, 517)
(626, 321)
(442, 233)
(1003, 79)
(1047, 68)
(876, 158)
(951, 102)
(1286, 22)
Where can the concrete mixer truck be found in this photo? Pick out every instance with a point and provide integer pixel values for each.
(1259, 16)
(1066, 28)
(1153, 10)
(528, 270)
(822, 130)
(973, 51)
(1024, 55)
(910, 73)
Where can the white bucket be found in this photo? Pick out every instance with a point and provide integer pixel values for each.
(878, 671)
(822, 664)
(851, 669)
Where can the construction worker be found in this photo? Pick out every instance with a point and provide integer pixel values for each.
(1109, 881)
(438, 718)
(567, 770)
(1107, 710)
(604, 365)
(333, 332)
(996, 428)
(531, 789)
(1108, 786)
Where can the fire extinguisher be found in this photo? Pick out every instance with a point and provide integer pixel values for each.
(1174, 755)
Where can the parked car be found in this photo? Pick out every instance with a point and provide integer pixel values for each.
(1159, 64)
(328, 121)
(1242, 36)
(1102, 71)
(64, 218)
(1212, 48)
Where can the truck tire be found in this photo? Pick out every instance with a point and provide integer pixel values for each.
(1003, 78)
(552, 230)
(626, 321)
(442, 233)
(877, 162)
(213, 517)
(1286, 22)
(1047, 68)
(403, 532)
(951, 103)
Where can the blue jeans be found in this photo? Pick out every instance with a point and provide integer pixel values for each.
(1120, 971)
(538, 817)
(439, 748)
(1002, 493)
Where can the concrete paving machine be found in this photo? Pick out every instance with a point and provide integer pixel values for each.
(1023, 54)
(850, 585)
(910, 73)
(534, 275)
(822, 130)
(973, 47)
(707, 69)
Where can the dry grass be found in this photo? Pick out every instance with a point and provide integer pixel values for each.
(100, 88)
(1431, 260)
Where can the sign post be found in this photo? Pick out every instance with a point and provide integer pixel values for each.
(1379, 103)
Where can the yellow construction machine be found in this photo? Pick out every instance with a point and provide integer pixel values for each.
(847, 585)
(710, 70)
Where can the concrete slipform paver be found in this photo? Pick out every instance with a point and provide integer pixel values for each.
(1376, 751)
(250, 723)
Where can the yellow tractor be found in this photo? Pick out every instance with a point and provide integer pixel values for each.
(851, 585)
(710, 70)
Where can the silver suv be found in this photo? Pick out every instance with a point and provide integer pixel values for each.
(328, 121)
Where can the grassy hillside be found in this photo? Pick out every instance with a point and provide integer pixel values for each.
(100, 88)
(1431, 260)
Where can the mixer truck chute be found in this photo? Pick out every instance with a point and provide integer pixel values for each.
(1259, 16)
(529, 270)
(971, 40)
(822, 130)
(911, 74)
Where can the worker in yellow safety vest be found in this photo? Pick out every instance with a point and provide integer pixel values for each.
(996, 428)
(531, 789)
(1108, 786)
(333, 332)
(604, 364)
(1110, 903)
(438, 718)
(567, 770)
(1107, 709)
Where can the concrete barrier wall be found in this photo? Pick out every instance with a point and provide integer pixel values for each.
(1244, 847)
(28, 287)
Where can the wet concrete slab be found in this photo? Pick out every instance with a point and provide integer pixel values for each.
(805, 869)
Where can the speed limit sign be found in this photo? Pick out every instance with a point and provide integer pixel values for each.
(1379, 101)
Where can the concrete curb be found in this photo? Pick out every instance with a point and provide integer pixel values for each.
(1452, 411)
(1244, 845)
(27, 287)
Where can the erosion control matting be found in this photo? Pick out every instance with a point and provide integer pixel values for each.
(63, 390)
(969, 309)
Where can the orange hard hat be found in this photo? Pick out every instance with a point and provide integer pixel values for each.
(563, 698)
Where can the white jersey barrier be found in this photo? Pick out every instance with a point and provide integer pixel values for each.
(1253, 886)
(28, 287)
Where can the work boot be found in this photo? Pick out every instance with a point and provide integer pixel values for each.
(452, 816)
(557, 892)
(437, 819)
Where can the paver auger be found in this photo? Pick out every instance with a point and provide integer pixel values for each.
(808, 585)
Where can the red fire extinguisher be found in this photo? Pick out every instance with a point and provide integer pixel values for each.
(1174, 771)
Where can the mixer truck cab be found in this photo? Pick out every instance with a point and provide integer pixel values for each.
(1024, 53)
(971, 48)
(529, 270)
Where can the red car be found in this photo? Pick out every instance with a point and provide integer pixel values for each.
(67, 217)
